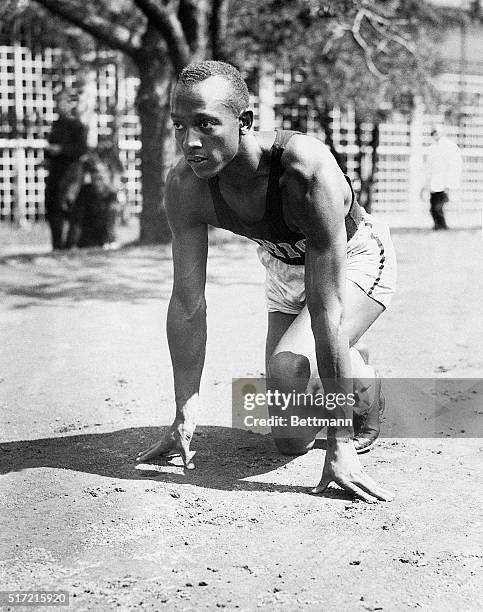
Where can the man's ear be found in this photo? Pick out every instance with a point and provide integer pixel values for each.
(245, 121)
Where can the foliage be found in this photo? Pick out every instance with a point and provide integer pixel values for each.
(372, 57)
(158, 37)
(376, 54)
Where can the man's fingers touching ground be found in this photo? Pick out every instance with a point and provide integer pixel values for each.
(169, 447)
(348, 486)
(357, 491)
(363, 487)
(187, 456)
(158, 449)
(322, 486)
(369, 485)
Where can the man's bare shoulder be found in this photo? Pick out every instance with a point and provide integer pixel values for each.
(187, 196)
(307, 154)
(307, 158)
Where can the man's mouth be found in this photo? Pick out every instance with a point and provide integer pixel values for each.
(195, 159)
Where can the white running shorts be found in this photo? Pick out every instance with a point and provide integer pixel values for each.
(371, 264)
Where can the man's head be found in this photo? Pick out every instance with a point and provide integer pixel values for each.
(237, 97)
(66, 102)
(210, 115)
(437, 131)
(99, 175)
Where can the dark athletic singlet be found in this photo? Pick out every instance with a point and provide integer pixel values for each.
(272, 233)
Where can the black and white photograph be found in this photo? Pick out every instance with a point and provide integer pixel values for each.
(241, 246)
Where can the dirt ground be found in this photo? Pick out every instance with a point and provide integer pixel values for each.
(85, 383)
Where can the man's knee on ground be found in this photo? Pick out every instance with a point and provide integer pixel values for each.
(289, 369)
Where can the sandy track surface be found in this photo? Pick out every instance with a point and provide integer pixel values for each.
(85, 383)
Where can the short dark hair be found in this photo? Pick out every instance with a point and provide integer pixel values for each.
(197, 72)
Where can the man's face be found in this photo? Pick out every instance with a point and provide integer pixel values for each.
(63, 105)
(99, 178)
(436, 134)
(206, 128)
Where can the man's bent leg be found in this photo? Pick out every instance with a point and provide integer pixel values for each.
(438, 200)
(292, 365)
(289, 373)
(441, 218)
(278, 323)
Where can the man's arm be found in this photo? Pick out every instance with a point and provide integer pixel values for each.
(186, 321)
(313, 180)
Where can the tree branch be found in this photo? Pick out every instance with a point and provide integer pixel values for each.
(356, 34)
(337, 32)
(108, 33)
(390, 34)
(164, 19)
(382, 12)
(218, 28)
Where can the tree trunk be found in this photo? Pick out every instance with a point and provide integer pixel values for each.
(157, 153)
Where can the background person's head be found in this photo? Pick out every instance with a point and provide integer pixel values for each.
(210, 115)
(66, 103)
(100, 177)
(437, 131)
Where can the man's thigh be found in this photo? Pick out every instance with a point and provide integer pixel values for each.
(278, 323)
(297, 336)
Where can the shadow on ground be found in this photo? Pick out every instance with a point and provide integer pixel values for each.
(227, 456)
(132, 274)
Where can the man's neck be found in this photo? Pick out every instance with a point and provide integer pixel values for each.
(246, 164)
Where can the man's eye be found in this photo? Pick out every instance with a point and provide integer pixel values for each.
(205, 124)
(177, 125)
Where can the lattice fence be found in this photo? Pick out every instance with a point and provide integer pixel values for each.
(400, 171)
(27, 81)
(468, 134)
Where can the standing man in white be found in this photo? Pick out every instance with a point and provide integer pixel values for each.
(444, 165)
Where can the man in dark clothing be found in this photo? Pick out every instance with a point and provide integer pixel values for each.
(93, 214)
(67, 143)
(437, 200)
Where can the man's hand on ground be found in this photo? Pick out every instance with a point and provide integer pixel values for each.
(175, 441)
(342, 467)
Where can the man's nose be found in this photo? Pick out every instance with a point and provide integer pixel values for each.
(192, 139)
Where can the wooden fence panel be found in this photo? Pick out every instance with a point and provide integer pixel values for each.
(27, 81)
